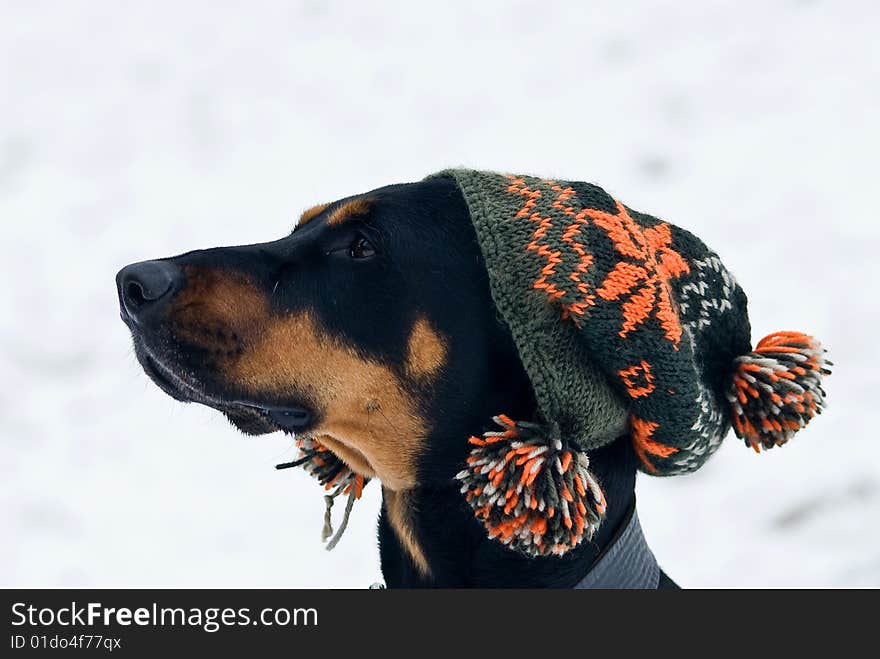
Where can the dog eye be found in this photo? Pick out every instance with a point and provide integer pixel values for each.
(361, 248)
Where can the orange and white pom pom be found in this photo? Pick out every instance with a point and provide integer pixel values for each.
(331, 472)
(323, 465)
(533, 493)
(776, 388)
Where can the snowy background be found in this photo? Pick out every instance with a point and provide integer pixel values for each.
(132, 130)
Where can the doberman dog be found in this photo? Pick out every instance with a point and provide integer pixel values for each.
(370, 327)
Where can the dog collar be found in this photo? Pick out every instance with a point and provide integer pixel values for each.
(627, 563)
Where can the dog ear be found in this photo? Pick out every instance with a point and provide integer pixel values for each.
(531, 489)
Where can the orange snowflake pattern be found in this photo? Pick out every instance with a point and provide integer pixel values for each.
(644, 276)
(541, 245)
(645, 446)
(638, 379)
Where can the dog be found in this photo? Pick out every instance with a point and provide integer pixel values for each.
(371, 328)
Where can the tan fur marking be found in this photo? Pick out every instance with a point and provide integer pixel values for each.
(311, 213)
(426, 351)
(354, 208)
(368, 418)
(399, 508)
(215, 309)
(364, 407)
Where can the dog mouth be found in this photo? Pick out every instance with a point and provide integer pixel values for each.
(290, 419)
(167, 380)
(180, 375)
(252, 417)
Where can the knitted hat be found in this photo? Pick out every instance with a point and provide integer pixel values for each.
(624, 323)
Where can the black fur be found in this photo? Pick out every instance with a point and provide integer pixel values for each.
(427, 263)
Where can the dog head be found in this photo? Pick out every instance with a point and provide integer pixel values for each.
(370, 327)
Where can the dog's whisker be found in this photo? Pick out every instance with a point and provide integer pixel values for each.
(387, 420)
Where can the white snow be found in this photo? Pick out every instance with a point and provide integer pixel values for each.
(132, 130)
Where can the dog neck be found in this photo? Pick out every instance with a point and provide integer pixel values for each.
(429, 537)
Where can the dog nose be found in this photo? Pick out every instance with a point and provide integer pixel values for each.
(144, 286)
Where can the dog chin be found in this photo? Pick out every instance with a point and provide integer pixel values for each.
(251, 418)
(249, 422)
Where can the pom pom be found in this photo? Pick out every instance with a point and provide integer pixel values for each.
(776, 388)
(322, 464)
(331, 472)
(533, 493)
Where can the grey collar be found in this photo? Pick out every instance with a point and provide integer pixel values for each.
(627, 563)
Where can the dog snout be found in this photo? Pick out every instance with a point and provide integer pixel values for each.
(145, 287)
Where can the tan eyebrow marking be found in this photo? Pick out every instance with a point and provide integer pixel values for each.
(311, 213)
(354, 208)
(426, 351)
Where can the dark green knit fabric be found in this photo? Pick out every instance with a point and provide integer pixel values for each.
(572, 391)
(596, 298)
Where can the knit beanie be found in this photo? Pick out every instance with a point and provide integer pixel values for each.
(625, 324)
